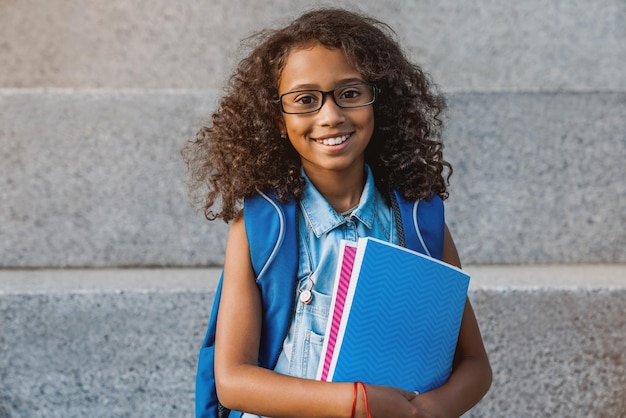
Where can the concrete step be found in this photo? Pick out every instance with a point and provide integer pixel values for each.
(468, 46)
(538, 177)
(123, 342)
(93, 178)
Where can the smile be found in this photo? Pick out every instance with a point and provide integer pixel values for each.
(333, 141)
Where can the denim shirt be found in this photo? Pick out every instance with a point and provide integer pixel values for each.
(320, 230)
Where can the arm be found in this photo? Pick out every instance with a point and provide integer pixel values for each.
(243, 385)
(471, 373)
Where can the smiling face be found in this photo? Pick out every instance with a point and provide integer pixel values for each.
(332, 138)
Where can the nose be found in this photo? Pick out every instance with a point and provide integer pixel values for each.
(330, 114)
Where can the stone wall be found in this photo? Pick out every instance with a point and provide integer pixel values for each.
(104, 285)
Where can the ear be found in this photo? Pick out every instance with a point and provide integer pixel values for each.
(282, 128)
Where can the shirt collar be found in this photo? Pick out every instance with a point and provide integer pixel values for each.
(322, 217)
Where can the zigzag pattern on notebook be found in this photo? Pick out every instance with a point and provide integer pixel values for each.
(404, 317)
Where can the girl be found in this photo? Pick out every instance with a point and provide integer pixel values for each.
(327, 113)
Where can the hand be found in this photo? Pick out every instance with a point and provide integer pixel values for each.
(427, 407)
(387, 402)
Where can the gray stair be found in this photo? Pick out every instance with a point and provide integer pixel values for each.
(97, 99)
(94, 178)
(95, 105)
(123, 343)
(481, 45)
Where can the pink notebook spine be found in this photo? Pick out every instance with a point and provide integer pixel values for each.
(344, 281)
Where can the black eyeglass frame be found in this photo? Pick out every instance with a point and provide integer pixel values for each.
(375, 90)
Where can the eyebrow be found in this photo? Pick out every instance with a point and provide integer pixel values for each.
(343, 82)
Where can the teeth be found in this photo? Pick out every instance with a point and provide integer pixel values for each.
(334, 141)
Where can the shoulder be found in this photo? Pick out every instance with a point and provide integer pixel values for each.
(237, 233)
(269, 226)
(264, 215)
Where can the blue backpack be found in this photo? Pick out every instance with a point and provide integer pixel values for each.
(272, 237)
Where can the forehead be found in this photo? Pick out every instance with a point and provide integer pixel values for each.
(316, 67)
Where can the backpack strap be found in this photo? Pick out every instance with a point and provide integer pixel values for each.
(270, 230)
(272, 236)
(266, 220)
(420, 223)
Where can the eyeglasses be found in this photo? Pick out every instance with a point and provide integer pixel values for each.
(308, 101)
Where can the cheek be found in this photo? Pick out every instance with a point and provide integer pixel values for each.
(367, 122)
(295, 126)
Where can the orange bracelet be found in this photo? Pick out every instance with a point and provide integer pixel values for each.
(353, 401)
(367, 405)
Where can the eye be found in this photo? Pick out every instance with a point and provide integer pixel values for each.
(305, 99)
(351, 93)
(302, 101)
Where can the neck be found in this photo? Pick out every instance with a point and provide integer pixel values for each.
(341, 189)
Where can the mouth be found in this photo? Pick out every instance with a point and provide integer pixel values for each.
(333, 140)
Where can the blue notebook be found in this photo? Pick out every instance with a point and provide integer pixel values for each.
(397, 320)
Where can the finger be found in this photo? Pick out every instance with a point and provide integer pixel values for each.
(409, 396)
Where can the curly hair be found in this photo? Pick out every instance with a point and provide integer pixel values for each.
(242, 150)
